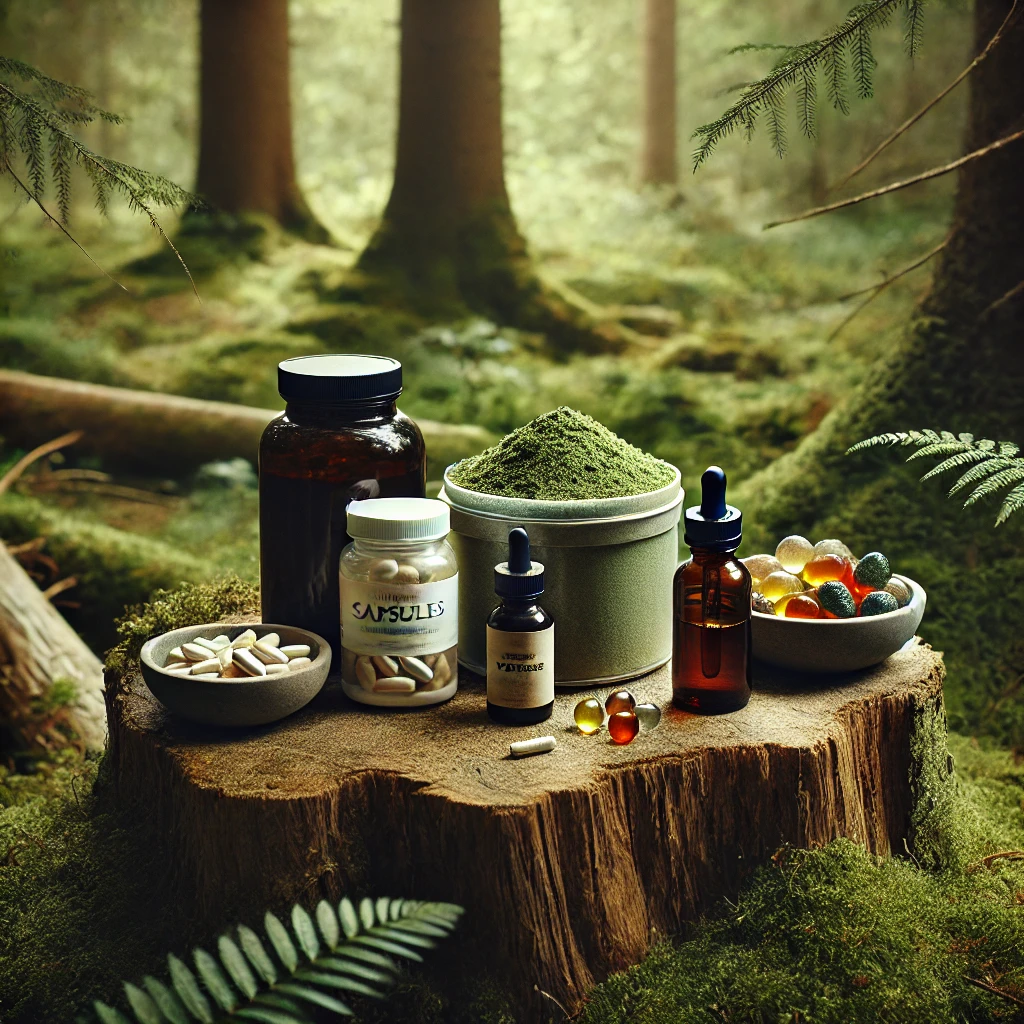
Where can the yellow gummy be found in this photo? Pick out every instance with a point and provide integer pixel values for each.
(794, 552)
(589, 716)
(760, 566)
(780, 584)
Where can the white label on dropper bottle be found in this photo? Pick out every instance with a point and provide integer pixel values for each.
(521, 668)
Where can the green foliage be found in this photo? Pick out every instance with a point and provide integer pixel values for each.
(992, 466)
(37, 117)
(347, 950)
(845, 49)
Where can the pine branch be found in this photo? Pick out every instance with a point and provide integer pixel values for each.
(767, 96)
(935, 172)
(991, 466)
(1010, 18)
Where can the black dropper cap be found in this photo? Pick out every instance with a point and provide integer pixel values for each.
(713, 524)
(519, 577)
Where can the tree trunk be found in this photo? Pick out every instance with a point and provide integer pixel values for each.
(448, 239)
(570, 865)
(38, 649)
(246, 162)
(960, 367)
(159, 435)
(658, 165)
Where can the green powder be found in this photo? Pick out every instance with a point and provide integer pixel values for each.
(563, 455)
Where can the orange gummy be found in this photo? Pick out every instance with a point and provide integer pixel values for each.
(824, 568)
(623, 727)
(803, 606)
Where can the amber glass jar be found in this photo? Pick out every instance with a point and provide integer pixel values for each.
(340, 438)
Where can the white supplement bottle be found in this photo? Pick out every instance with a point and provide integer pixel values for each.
(399, 585)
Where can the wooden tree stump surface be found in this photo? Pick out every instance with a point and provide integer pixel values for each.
(570, 864)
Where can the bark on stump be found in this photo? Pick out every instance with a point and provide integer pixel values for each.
(570, 864)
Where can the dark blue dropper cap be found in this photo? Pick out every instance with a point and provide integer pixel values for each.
(713, 524)
(519, 577)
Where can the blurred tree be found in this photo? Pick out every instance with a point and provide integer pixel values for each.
(658, 161)
(246, 161)
(448, 238)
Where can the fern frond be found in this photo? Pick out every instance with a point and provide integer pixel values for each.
(800, 64)
(329, 952)
(991, 466)
(913, 19)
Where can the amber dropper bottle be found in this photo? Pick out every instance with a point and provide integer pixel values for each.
(711, 608)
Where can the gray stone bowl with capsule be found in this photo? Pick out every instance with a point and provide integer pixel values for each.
(246, 701)
(836, 645)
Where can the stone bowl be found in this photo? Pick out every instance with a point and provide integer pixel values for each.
(235, 702)
(836, 645)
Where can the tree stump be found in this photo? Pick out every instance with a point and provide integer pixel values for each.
(569, 864)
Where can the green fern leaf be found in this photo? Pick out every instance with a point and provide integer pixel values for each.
(961, 458)
(143, 1007)
(338, 981)
(367, 917)
(876, 441)
(421, 927)
(268, 1016)
(395, 909)
(235, 964)
(216, 984)
(311, 995)
(1007, 449)
(1013, 502)
(276, 1001)
(367, 956)
(394, 934)
(185, 984)
(986, 445)
(257, 954)
(281, 941)
(348, 917)
(979, 472)
(107, 1014)
(305, 932)
(914, 26)
(167, 1002)
(995, 483)
(387, 946)
(327, 921)
(937, 448)
(382, 909)
(357, 968)
(966, 438)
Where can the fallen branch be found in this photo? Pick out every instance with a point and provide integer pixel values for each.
(1003, 855)
(1016, 290)
(935, 172)
(911, 121)
(59, 587)
(37, 453)
(989, 987)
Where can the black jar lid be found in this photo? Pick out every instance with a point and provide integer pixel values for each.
(339, 378)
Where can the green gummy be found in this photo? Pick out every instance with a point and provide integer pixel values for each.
(873, 570)
(835, 598)
(878, 602)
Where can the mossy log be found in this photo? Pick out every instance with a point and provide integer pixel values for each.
(570, 864)
(38, 649)
(166, 435)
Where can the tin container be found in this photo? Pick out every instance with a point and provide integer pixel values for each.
(609, 564)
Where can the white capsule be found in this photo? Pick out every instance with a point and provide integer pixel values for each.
(395, 684)
(268, 654)
(538, 745)
(212, 665)
(417, 669)
(407, 574)
(201, 641)
(271, 639)
(383, 570)
(276, 668)
(224, 656)
(176, 657)
(384, 665)
(298, 663)
(179, 668)
(246, 639)
(206, 677)
(196, 652)
(364, 672)
(295, 650)
(249, 663)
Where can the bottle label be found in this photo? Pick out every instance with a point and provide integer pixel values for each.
(521, 668)
(410, 618)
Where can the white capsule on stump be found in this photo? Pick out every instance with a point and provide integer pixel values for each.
(526, 748)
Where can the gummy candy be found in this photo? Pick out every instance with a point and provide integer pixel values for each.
(823, 568)
(761, 604)
(878, 603)
(760, 566)
(833, 547)
(620, 700)
(873, 570)
(802, 606)
(835, 598)
(589, 716)
(899, 590)
(779, 584)
(648, 715)
(780, 605)
(794, 553)
(623, 727)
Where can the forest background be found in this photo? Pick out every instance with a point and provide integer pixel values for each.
(740, 344)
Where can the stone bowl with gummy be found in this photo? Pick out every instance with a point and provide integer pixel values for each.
(836, 645)
(240, 702)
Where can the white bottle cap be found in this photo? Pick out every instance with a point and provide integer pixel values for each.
(398, 519)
